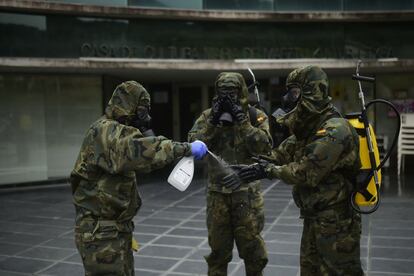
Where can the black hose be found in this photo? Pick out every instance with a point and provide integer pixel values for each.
(397, 132)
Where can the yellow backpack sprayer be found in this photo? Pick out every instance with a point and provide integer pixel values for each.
(368, 181)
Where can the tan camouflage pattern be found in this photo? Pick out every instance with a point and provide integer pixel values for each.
(234, 215)
(106, 255)
(126, 98)
(314, 101)
(235, 144)
(104, 183)
(319, 160)
(330, 246)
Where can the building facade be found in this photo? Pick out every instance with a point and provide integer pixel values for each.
(61, 60)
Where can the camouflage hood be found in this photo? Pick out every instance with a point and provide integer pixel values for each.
(233, 80)
(314, 103)
(126, 98)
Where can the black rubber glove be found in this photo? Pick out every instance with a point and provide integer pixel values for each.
(232, 181)
(252, 172)
(216, 110)
(235, 109)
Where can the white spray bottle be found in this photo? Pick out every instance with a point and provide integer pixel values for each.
(182, 174)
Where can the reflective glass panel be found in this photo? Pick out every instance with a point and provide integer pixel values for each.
(43, 120)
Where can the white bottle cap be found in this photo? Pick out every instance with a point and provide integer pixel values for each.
(182, 174)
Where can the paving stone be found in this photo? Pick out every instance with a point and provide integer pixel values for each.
(393, 223)
(24, 265)
(65, 269)
(180, 241)
(284, 248)
(47, 221)
(200, 217)
(195, 224)
(364, 252)
(280, 270)
(173, 215)
(192, 267)
(199, 254)
(144, 238)
(160, 222)
(74, 258)
(185, 209)
(272, 271)
(141, 272)
(392, 253)
(11, 249)
(189, 232)
(164, 251)
(151, 229)
(388, 274)
(25, 239)
(270, 217)
(290, 221)
(287, 229)
(152, 263)
(61, 243)
(397, 266)
(391, 232)
(47, 253)
(392, 242)
(283, 259)
(9, 273)
(364, 241)
(282, 237)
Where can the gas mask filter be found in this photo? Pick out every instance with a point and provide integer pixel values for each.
(142, 121)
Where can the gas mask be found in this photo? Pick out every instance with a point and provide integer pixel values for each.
(142, 121)
(226, 97)
(289, 101)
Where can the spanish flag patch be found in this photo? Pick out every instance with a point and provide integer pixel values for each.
(321, 132)
(260, 119)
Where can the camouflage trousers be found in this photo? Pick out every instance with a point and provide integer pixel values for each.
(235, 217)
(331, 245)
(106, 251)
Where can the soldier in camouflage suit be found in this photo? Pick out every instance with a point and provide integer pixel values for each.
(233, 215)
(319, 160)
(104, 181)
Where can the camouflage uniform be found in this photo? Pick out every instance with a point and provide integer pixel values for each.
(234, 215)
(104, 182)
(319, 160)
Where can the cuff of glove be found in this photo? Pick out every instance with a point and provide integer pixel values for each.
(187, 150)
(272, 171)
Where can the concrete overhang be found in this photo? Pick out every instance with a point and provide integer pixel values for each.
(178, 69)
(48, 7)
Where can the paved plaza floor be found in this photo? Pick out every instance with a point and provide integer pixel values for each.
(36, 232)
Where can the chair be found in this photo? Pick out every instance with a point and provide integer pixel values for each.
(406, 139)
